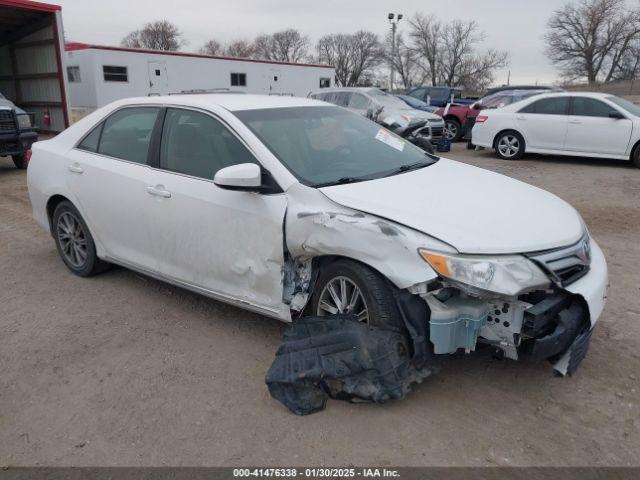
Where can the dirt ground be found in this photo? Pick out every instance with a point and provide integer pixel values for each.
(121, 369)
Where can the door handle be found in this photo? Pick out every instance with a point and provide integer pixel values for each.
(520, 117)
(75, 168)
(159, 191)
(575, 122)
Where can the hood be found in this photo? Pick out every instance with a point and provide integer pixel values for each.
(8, 105)
(473, 210)
(391, 116)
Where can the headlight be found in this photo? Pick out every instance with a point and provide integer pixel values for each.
(24, 121)
(504, 274)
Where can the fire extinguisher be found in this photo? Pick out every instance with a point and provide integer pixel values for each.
(46, 118)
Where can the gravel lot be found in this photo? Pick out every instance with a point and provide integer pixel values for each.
(121, 369)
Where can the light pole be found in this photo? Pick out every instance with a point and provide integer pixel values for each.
(394, 19)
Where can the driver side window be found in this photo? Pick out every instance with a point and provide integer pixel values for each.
(198, 145)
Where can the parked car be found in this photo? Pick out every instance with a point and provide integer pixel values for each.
(16, 132)
(416, 103)
(439, 96)
(422, 128)
(456, 116)
(289, 206)
(575, 124)
(504, 88)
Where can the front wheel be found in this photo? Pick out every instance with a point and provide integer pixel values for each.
(452, 129)
(510, 146)
(349, 287)
(20, 161)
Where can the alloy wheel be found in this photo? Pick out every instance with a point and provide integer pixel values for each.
(72, 239)
(509, 146)
(450, 131)
(342, 296)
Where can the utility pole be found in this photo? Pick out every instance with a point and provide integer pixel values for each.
(393, 20)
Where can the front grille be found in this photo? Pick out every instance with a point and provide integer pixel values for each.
(566, 264)
(7, 121)
(437, 132)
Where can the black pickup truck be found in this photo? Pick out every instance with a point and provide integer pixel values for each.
(17, 133)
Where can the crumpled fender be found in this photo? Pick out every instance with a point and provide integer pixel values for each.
(316, 226)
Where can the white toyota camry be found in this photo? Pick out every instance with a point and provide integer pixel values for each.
(568, 123)
(289, 207)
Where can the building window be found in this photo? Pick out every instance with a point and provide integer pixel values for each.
(115, 74)
(325, 82)
(238, 79)
(73, 74)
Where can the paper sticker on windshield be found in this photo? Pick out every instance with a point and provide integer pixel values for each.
(389, 139)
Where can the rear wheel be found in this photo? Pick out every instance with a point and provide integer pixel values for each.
(20, 161)
(509, 146)
(636, 157)
(348, 287)
(74, 241)
(452, 129)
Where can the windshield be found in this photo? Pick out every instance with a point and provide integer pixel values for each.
(387, 100)
(329, 145)
(504, 98)
(632, 108)
(414, 102)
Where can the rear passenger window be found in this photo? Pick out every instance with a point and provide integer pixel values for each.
(341, 98)
(197, 144)
(127, 133)
(589, 107)
(90, 142)
(358, 101)
(548, 106)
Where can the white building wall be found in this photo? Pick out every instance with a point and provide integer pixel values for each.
(182, 73)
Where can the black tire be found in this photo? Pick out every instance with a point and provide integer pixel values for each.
(91, 264)
(636, 157)
(452, 125)
(376, 291)
(513, 147)
(20, 161)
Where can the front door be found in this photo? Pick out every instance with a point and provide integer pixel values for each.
(592, 130)
(158, 80)
(227, 243)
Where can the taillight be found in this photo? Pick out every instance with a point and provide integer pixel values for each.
(482, 118)
(27, 157)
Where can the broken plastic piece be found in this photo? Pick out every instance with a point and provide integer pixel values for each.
(338, 357)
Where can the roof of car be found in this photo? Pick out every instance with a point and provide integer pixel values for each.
(227, 101)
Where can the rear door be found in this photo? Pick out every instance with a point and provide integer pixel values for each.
(544, 123)
(592, 130)
(107, 172)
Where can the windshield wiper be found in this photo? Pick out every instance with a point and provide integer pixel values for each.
(340, 181)
(411, 166)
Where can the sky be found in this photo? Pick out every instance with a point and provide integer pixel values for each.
(517, 26)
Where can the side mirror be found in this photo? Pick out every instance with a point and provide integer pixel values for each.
(616, 115)
(370, 113)
(477, 106)
(246, 176)
(424, 144)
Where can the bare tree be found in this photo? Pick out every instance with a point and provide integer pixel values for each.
(461, 64)
(213, 48)
(158, 35)
(354, 56)
(404, 61)
(284, 46)
(591, 38)
(426, 43)
(448, 53)
(240, 48)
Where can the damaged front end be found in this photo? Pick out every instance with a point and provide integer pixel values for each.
(542, 325)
